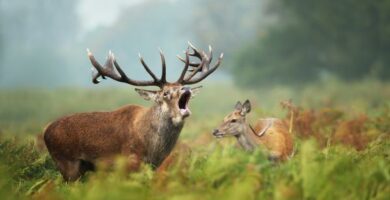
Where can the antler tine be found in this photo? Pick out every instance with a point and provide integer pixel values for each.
(130, 81)
(126, 79)
(195, 50)
(164, 67)
(210, 56)
(147, 68)
(95, 72)
(206, 73)
(195, 53)
(203, 67)
(197, 69)
(106, 70)
(109, 71)
(95, 76)
(186, 65)
(190, 63)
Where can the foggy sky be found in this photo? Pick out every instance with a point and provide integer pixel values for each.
(95, 13)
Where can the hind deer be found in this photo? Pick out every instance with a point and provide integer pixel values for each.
(78, 141)
(272, 133)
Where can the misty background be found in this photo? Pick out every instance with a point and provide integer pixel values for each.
(43, 42)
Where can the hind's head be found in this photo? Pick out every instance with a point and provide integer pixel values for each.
(234, 123)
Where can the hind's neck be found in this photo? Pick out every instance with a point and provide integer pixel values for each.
(245, 139)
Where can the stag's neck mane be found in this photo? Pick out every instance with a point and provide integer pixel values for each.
(160, 133)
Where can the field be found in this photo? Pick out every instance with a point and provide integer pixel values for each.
(342, 134)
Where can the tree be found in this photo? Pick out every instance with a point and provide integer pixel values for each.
(347, 38)
(227, 25)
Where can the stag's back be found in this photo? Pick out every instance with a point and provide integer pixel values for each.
(92, 135)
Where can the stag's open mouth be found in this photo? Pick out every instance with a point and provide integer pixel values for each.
(183, 103)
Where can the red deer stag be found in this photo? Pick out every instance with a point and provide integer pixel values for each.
(272, 133)
(77, 141)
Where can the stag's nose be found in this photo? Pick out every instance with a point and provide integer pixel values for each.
(215, 132)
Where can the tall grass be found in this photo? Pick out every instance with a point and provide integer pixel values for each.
(341, 130)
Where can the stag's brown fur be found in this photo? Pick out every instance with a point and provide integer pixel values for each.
(78, 141)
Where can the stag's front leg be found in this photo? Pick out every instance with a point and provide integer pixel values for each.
(69, 169)
(133, 163)
(132, 160)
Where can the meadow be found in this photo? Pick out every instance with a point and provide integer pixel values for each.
(342, 134)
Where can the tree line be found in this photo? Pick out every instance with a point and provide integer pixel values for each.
(310, 40)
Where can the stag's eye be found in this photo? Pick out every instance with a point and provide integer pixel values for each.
(166, 93)
(233, 121)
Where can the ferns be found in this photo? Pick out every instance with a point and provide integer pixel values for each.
(340, 155)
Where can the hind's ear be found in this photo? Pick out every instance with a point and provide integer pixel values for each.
(246, 107)
(147, 94)
(238, 106)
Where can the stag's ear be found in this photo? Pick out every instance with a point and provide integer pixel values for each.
(195, 91)
(238, 106)
(147, 94)
(246, 107)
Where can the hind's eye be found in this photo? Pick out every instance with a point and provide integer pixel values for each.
(233, 121)
(166, 94)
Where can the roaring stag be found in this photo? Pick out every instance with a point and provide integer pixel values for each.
(271, 133)
(78, 141)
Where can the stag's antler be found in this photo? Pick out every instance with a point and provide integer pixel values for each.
(109, 71)
(203, 67)
(112, 69)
